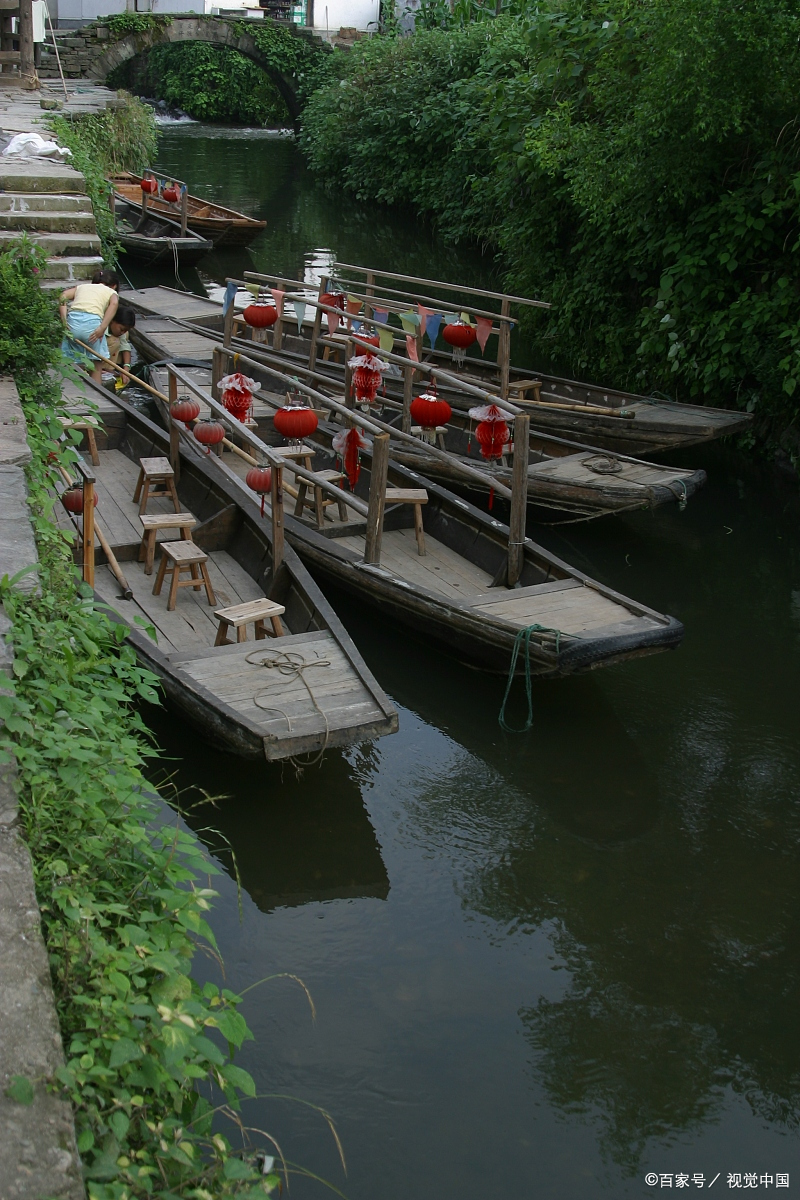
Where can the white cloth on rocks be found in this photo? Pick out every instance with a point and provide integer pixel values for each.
(33, 145)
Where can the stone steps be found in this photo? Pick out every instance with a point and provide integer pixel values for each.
(39, 223)
(67, 269)
(43, 202)
(78, 244)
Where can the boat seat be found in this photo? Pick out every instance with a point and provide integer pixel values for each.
(417, 497)
(156, 478)
(178, 557)
(320, 500)
(441, 430)
(89, 427)
(239, 616)
(518, 390)
(152, 523)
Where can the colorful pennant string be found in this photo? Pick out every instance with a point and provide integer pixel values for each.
(432, 325)
(386, 337)
(424, 313)
(410, 322)
(277, 296)
(411, 347)
(484, 329)
(230, 294)
(254, 289)
(300, 312)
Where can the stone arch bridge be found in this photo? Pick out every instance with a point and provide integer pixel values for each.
(93, 52)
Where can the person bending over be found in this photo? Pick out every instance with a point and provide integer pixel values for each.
(92, 308)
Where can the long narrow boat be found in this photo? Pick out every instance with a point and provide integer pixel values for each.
(276, 698)
(224, 226)
(562, 475)
(448, 584)
(155, 239)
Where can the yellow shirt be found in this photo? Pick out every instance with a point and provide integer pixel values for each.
(92, 298)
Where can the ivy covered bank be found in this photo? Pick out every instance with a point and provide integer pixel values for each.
(124, 899)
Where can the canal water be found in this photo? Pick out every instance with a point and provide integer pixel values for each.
(556, 964)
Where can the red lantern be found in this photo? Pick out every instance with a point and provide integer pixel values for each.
(367, 372)
(460, 336)
(260, 316)
(149, 186)
(492, 434)
(372, 338)
(295, 421)
(184, 409)
(347, 445)
(430, 412)
(171, 193)
(72, 498)
(259, 479)
(209, 432)
(237, 394)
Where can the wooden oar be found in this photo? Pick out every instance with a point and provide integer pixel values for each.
(127, 591)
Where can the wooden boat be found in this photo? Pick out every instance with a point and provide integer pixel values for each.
(562, 475)
(454, 594)
(223, 226)
(155, 239)
(327, 698)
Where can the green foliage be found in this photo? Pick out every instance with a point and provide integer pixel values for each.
(30, 329)
(120, 139)
(122, 24)
(210, 83)
(636, 162)
(307, 63)
(149, 1052)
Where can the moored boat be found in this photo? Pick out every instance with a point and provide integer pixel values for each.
(223, 226)
(152, 239)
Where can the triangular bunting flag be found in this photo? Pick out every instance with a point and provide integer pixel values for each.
(386, 338)
(466, 318)
(432, 325)
(449, 318)
(230, 293)
(410, 322)
(484, 329)
(380, 315)
(424, 313)
(353, 304)
(253, 289)
(277, 296)
(411, 347)
(300, 312)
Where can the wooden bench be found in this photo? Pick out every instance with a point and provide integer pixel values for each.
(518, 390)
(156, 478)
(239, 616)
(152, 523)
(178, 557)
(87, 426)
(417, 497)
(320, 501)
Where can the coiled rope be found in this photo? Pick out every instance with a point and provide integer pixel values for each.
(524, 638)
(290, 663)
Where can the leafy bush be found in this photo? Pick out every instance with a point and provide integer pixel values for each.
(210, 83)
(119, 139)
(30, 328)
(636, 162)
(120, 25)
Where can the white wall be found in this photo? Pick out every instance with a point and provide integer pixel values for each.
(89, 10)
(334, 15)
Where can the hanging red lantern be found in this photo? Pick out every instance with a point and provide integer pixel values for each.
(171, 193)
(295, 421)
(492, 432)
(184, 409)
(149, 186)
(460, 336)
(430, 412)
(347, 444)
(209, 432)
(372, 338)
(237, 394)
(260, 315)
(367, 371)
(259, 479)
(72, 498)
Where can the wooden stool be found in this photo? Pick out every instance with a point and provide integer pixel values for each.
(441, 430)
(417, 497)
(319, 503)
(518, 390)
(178, 557)
(151, 525)
(156, 478)
(239, 616)
(85, 426)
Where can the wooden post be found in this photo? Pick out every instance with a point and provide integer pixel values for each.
(227, 325)
(217, 370)
(277, 332)
(315, 332)
(349, 398)
(504, 350)
(519, 499)
(369, 290)
(185, 210)
(27, 69)
(408, 389)
(174, 435)
(276, 501)
(377, 498)
(88, 531)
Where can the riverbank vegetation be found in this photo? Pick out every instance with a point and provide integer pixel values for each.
(637, 163)
(149, 1052)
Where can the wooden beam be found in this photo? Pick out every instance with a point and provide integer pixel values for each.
(88, 530)
(276, 502)
(504, 354)
(519, 499)
(408, 396)
(312, 354)
(448, 287)
(27, 68)
(174, 435)
(377, 498)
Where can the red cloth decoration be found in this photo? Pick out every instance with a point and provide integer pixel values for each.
(347, 445)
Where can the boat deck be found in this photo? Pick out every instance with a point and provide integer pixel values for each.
(295, 692)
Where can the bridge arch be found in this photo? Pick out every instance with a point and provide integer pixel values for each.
(105, 56)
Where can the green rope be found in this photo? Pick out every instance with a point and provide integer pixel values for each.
(524, 635)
